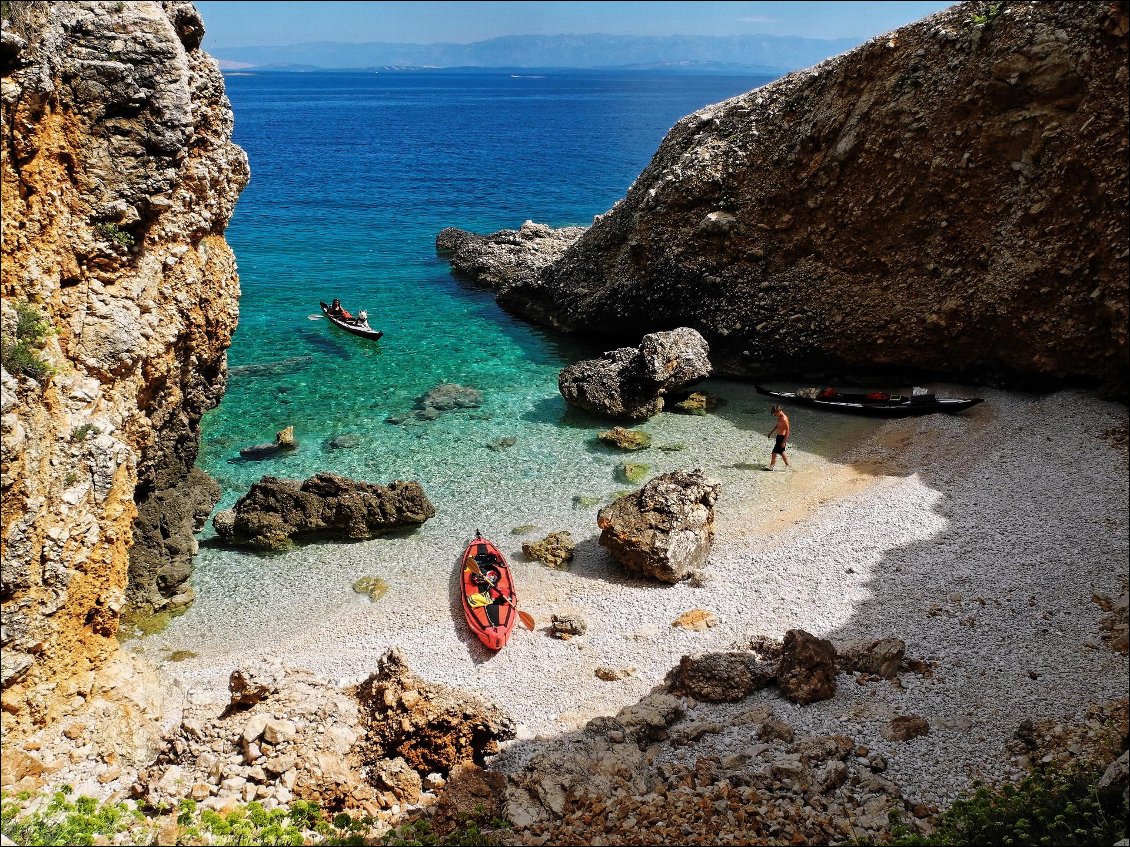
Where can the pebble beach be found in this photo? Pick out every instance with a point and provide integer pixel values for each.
(978, 539)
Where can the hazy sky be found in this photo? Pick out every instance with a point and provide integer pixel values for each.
(233, 23)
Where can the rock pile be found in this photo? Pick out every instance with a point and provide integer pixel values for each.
(664, 530)
(632, 382)
(275, 510)
(1116, 619)
(285, 735)
(431, 726)
(648, 770)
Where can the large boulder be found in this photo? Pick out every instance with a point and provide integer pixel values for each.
(631, 383)
(664, 530)
(806, 672)
(721, 677)
(275, 510)
(433, 727)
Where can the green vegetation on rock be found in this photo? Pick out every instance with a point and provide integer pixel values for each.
(632, 471)
(115, 234)
(136, 623)
(474, 830)
(1052, 807)
(56, 818)
(81, 433)
(585, 500)
(626, 439)
(19, 349)
(523, 529)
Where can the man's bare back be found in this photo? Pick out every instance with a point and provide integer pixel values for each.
(780, 433)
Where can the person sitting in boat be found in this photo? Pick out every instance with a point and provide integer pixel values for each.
(488, 596)
(338, 312)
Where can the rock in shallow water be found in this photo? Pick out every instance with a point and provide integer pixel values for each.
(275, 510)
(626, 439)
(631, 382)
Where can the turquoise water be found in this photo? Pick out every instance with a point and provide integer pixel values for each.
(352, 177)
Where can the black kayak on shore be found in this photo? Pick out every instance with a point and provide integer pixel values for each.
(360, 326)
(877, 403)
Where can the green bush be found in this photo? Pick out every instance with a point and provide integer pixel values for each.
(984, 14)
(19, 353)
(1045, 808)
(115, 234)
(81, 433)
(65, 821)
(474, 830)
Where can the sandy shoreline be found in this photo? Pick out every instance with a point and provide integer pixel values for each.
(977, 539)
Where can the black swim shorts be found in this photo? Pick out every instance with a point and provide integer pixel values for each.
(779, 446)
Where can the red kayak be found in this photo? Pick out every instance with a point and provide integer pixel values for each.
(489, 601)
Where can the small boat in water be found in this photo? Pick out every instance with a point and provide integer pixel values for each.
(489, 601)
(358, 325)
(876, 403)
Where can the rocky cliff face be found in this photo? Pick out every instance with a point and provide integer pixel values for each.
(118, 179)
(948, 199)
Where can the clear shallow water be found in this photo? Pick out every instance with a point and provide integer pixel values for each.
(352, 177)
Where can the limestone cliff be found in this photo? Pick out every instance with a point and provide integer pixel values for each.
(118, 180)
(950, 198)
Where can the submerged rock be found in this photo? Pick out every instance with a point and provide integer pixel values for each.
(631, 382)
(372, 586)
(345, 441)
(696, 403)
(626, 439)
(664, 530)
(284, 442)
(632, 471)
(276, 510)
(448, 396)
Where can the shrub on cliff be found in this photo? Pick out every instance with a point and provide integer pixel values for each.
(19, 347)
(1060, 807)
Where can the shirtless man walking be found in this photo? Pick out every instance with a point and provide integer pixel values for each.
(781, 431)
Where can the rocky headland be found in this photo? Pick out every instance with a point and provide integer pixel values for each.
(120, 296)
(894, 210)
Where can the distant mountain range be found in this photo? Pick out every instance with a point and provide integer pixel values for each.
(762, 54)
